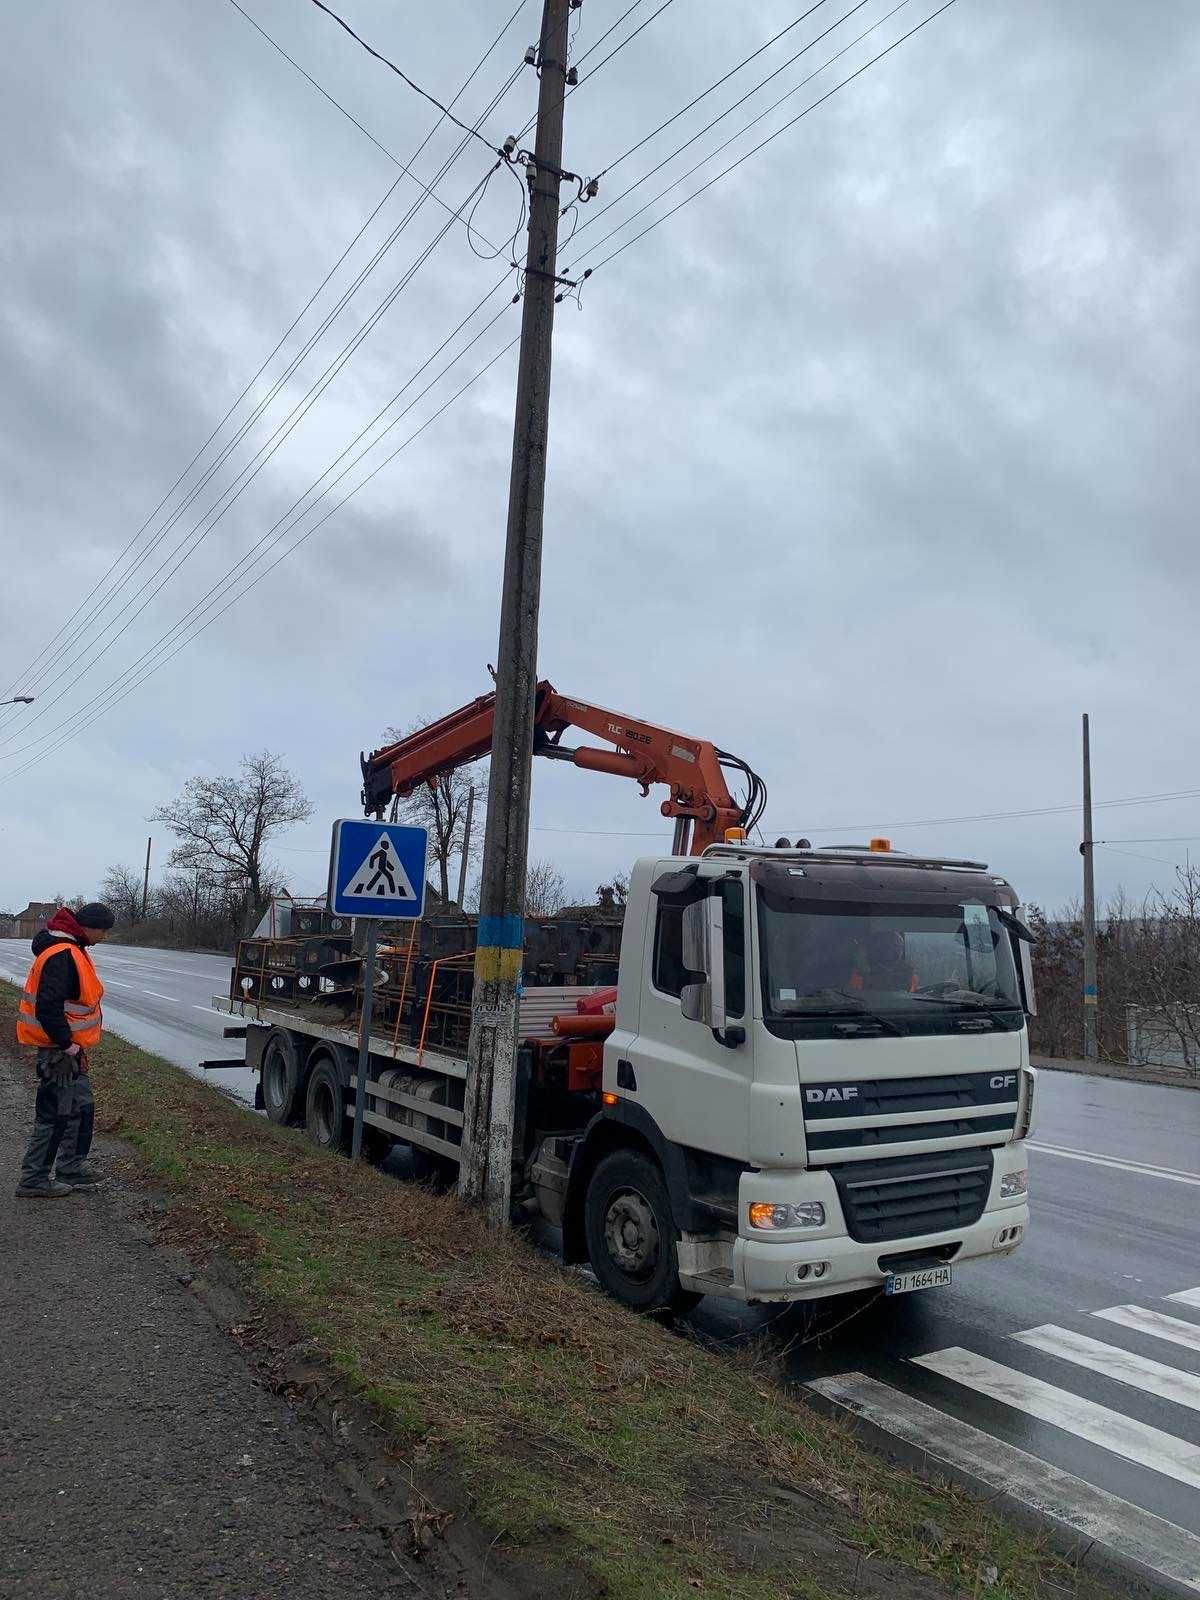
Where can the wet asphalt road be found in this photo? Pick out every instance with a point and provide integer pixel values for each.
(161, 1000)
(1116, 1227)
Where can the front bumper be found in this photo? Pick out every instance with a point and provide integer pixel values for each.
(764, 1267)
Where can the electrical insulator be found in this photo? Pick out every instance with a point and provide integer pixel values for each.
(593, 188)
(573, 76)
(510, 144)
(531, 56)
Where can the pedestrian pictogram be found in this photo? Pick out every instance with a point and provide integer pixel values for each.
(377, 869)
(382, 875)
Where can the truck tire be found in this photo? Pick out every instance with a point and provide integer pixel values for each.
(325, 1105)
(281, 1079)
(631, 1234)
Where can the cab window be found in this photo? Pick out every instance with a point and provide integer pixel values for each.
(669, 972)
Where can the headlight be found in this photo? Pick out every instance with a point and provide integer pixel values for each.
(1013, 1184)
(809, 1215)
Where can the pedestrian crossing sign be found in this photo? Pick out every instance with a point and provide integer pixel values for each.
(377, 869)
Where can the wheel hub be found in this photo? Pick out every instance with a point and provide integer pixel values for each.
(631, 1234)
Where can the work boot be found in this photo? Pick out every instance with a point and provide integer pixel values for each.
(81, 1177)
(43, 1189)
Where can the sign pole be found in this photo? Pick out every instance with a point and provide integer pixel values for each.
(364, 1036)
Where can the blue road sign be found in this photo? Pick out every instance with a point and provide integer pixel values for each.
(377, 869)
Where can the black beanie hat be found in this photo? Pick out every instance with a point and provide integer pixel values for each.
(95, 916)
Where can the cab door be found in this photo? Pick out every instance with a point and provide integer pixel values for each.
(696, 1089)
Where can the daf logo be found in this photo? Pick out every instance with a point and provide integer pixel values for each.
(816, 1096)
(1003, 1080)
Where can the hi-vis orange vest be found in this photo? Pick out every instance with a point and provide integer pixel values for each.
(83, 1015)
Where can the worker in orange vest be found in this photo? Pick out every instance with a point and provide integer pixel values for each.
(60, 1015)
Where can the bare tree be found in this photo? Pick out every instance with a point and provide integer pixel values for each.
(441, 806)
(545, 889)
(121, 889)
(224, 824)
(611, 896)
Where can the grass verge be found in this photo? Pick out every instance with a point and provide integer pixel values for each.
(577, 1432)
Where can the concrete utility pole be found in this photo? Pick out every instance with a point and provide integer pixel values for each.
(1091, 1048)
(485, 1172)
(146, 880)
(466, 851)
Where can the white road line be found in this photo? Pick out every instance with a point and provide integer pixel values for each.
(116, 983)
(1123, 1436)
(1171, 1174)
(173, 998)
(1149, 1542)
(1153, 1322)
(1186, 1297)
(1139, 1372)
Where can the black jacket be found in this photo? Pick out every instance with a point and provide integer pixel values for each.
(59, 982)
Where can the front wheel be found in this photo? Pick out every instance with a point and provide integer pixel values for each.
(631, 1234)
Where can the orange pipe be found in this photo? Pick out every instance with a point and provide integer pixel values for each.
(577, 1027)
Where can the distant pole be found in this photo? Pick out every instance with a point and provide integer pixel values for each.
(146, 880)
(1091, 1048)
(485, 1171)
(462, 871)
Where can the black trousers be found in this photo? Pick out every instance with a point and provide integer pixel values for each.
(62, 1126)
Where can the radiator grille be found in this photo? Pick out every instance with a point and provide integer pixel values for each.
(897, 1199)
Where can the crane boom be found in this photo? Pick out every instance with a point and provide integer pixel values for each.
(692, 769)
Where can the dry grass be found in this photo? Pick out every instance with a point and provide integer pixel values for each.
(574, 1427)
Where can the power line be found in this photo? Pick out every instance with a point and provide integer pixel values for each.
(401, 74)
(251, 469)
(724, 173)
(1137, 856)
(1004, 816)
(712, 88)
(728, 112)
(404, 166)
(604, 60)
(1178, 838)
(84, 720)
(628, 12)
(405, 169)
(199, 532)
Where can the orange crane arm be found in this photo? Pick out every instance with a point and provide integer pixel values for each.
(692, 769)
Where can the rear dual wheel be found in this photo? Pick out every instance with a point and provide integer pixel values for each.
(327, 1104)
(281, 1079)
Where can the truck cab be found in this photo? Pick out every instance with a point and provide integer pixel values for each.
(818, 1081)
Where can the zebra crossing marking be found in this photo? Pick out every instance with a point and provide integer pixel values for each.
(1154, 1323)
(1139, 1372)
(1147, 1542)
(1086, 1419)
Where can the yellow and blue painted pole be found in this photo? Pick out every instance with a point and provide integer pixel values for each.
(485, 1171)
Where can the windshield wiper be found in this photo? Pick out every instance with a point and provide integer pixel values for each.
(868, 1019)
(848, 1005)
(969, 1002)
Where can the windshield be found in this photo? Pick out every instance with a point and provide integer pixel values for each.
(825, 958)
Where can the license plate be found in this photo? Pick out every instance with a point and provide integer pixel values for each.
(924, 1278)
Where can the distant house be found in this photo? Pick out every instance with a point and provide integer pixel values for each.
(33, 919)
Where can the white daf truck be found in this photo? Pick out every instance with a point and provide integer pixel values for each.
(813, 1077)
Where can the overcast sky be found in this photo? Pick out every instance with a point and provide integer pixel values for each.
(876, 465)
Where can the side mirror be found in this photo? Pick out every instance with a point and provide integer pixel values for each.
(704, 953)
